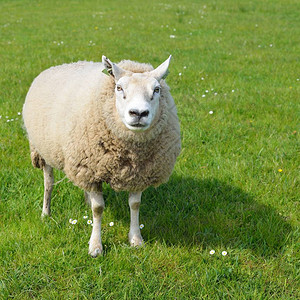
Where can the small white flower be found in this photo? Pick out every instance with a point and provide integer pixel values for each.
(70, 221)
(224, 253)
(202, 78)
(85, 217)
(174, 29)
(271, 45)
(74, 222)
(89, 222)
(298, 79)
(0, 117)
(206, 91)
(179, 74)
(142, 226)
(19, 113)
(232, 91)
(203, 96)
(259, 46)
(211, 252)
(211, 112)
(8, 121)
(216, 94)
(172, 36)
(111, 224)
(11, 120)
(184, 67)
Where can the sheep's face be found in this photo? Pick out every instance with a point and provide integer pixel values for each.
(137, 100)
(137, 94)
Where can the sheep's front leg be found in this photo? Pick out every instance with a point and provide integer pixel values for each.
(97, 204)
(135, 237)
(48, 187)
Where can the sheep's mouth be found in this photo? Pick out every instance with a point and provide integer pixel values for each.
(138, 125)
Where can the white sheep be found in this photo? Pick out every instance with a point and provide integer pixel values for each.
(121, 129)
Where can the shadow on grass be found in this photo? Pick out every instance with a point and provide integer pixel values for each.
(208, 213)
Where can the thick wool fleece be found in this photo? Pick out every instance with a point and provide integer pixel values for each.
(73, 125)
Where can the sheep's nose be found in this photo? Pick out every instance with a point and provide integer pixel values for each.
(138, 114)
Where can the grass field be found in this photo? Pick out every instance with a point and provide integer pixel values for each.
(235, 76)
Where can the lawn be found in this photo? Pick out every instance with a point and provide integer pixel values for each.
(235, 77)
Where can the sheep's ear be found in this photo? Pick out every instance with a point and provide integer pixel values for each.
(107, 66)
(161, 72)
(112, 69)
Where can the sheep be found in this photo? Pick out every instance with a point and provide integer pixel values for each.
(120, 128)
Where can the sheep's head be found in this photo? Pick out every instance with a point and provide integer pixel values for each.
(137, 94)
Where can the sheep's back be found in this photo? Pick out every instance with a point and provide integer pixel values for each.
(55, 103)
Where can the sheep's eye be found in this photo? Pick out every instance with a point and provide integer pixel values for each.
(157, 89)
(119, 88)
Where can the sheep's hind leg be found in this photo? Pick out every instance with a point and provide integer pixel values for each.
(97, 204)
(87, 198)
(135, 237)
(48, 187)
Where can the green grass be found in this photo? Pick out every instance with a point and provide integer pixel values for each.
(226, 192)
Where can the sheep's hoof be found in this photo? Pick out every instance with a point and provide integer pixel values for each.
(136, 240)
(95, 251)
(45, 215)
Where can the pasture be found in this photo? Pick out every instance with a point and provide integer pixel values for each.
(235, 78)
